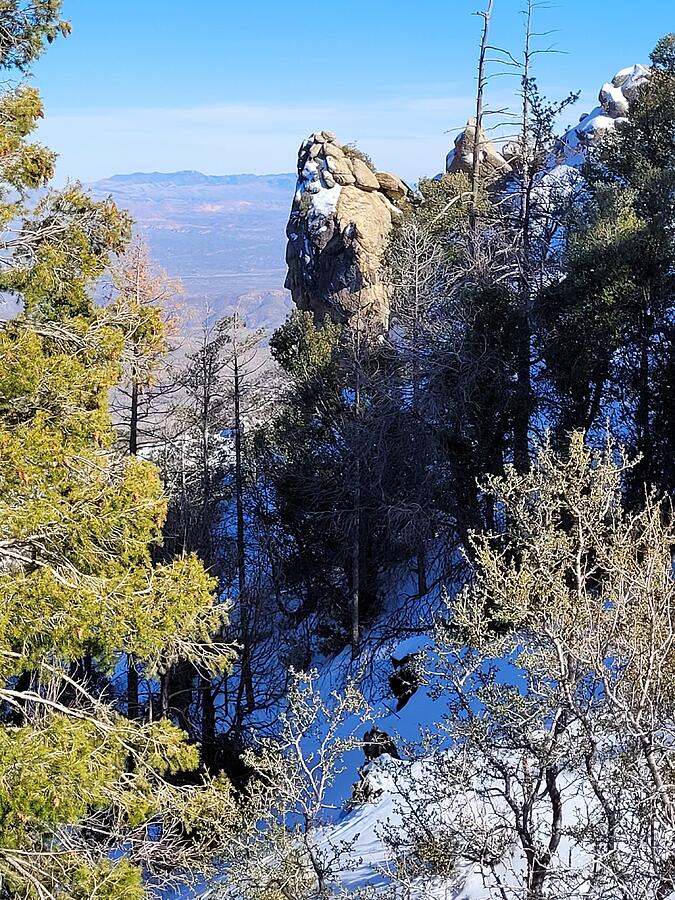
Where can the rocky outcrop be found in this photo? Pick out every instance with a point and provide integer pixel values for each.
(343, 210)
(342, 215)
(377, 742)
(460, 158)
(614, 103)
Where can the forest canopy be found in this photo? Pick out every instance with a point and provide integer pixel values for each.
(226, 556)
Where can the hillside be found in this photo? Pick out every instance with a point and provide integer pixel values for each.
(223, 236)
(375, 601)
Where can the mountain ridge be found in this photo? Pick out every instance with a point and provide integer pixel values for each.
(189, 177)
(223, 236)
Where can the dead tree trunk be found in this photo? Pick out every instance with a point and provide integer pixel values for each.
(356, 525)
(476, 162)
(521, 422)
(244, 606)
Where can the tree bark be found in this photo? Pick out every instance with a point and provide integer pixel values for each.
(522, 412)
(208, 723)
(133, 706)
(356, 525)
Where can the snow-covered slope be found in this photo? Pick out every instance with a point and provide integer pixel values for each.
(561, 174)
(461, 800)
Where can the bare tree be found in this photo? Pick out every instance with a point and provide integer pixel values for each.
(277, 847)
(480, 91)
(227, 392)
(144, 307)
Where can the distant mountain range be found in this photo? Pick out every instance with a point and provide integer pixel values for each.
(190, 178)
(223, 236)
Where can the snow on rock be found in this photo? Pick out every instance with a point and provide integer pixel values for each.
(615, 99)
(561, 178)
(340, 222)
(630, 80)
(570, 151)
(460, 158)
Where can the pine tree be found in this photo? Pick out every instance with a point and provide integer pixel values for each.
(615, 308)
(347, 480)
(78, 587)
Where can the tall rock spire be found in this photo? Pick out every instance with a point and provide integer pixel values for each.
(340, 222)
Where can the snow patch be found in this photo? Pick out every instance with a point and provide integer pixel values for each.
(325, 200)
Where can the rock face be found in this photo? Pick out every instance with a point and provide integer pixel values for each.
(343, 210)
(340, 222)
(460, 158)
(614, 98)
(614, 102)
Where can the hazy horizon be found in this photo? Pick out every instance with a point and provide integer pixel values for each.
(399, 82)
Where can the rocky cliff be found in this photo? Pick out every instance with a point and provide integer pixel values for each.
(344, 209)
(460, 158)
(341, 218)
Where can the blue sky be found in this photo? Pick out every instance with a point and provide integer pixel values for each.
(225, 87)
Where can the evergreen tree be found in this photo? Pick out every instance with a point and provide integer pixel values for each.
(615, 307)
(349, 478)
(78, 587)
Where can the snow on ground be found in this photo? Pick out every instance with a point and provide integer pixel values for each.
(476, 819)
(356, 835)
